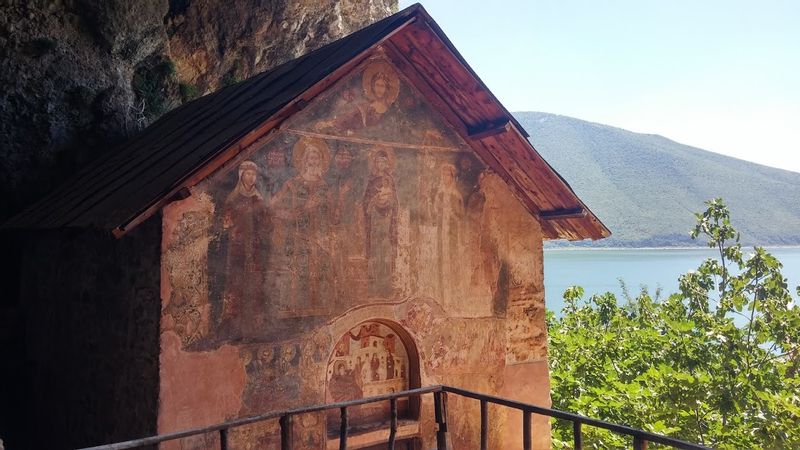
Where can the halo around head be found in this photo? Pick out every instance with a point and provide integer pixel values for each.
(381, 70)
(301, 148)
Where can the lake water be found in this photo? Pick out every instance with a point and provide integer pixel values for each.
(598, 270)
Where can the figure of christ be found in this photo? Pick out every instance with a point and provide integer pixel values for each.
(380, 86)
(304, 208)
(380, 223)
(246, 226)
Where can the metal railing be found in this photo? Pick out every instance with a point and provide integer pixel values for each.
(640, 437)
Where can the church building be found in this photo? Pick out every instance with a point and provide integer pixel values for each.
(362, 220)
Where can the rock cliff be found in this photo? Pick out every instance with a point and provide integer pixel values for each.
(80, 76)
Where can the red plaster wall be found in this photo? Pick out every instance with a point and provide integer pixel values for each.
(530, 383)
(366, 207)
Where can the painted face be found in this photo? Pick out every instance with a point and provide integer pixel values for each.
(265, 355)
(465, 164)
(249, 178)
(343, 159)
(382, 162)
(380, 88)
(288, 354)
(312, 157)
(313, 162)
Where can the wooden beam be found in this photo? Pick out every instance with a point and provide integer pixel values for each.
(489, 129)
(557, 214)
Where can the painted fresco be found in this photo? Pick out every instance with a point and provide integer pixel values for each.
(369, 360)
(288, 272)
(322, 218)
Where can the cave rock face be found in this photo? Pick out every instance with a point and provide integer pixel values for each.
(80, 76)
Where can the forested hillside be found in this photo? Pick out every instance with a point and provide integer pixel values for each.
(645, 187)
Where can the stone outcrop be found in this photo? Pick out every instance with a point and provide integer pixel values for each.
(80, 76)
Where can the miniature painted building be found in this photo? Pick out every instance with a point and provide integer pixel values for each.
(362, 220)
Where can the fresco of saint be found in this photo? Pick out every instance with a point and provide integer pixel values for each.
(380, 222)
(246, 224)
(304, 210)
(380, 85)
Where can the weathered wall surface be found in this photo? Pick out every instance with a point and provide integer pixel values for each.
(91, 311)
(362, 249)
(79, 76)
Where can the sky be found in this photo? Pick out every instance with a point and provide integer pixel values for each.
(723, 76)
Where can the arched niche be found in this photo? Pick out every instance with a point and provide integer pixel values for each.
(375, 357)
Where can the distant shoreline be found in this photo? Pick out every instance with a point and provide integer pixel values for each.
(744, 247)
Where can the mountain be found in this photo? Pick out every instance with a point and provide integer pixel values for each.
(645, 187)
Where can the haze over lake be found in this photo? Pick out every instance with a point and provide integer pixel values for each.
(598, 270)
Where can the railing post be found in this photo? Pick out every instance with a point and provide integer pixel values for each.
(526, 430)
(639, 443)
(440, 410)
(286, 432)
(223, 439)
(393, 425)
(343, 430)
(484, 425)
(577, 437)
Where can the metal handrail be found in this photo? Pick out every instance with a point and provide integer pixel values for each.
(578, 419)
(640, 437)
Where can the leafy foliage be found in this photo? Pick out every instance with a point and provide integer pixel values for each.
(188, 91)
(152, 82)
(717, 363)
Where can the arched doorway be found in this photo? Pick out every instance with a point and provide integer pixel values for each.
(373, 358)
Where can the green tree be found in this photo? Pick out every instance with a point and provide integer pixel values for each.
(717, 363)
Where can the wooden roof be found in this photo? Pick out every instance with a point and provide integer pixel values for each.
(124, 187)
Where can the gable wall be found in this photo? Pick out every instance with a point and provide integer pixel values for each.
(365, 206)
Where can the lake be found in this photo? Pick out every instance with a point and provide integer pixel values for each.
(598, 270)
